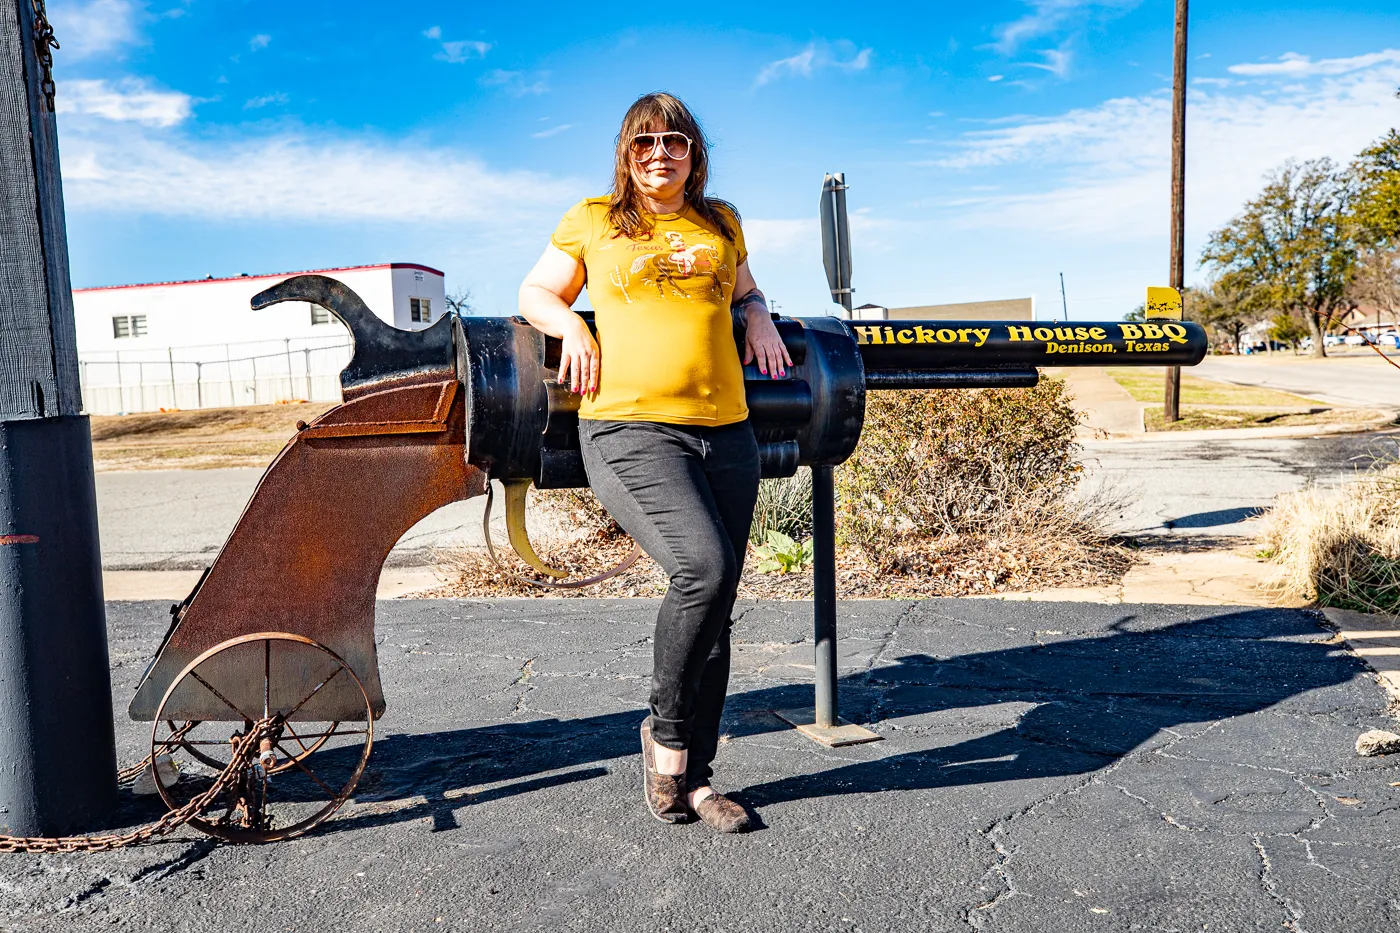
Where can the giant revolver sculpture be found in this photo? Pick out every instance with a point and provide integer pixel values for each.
(279, 632)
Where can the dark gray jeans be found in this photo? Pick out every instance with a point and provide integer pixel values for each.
(686, 495)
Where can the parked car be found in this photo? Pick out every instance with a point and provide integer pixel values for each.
(1332, 340)
(1390, 339)
(1356, 340)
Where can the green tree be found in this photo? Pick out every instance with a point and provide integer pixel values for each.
(1376, 173)
(1292, 248)
(1288, 329)
(1220, 311)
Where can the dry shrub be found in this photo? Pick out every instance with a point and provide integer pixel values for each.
(1340, 547)
(785, 506)
(977, 486)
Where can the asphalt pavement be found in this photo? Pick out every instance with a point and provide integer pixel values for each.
(1045, 767)
(1354, 376)
(1212, 488)
(178, 519)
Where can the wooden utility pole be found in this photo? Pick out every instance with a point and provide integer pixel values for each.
(58, 769)
(1171, 409)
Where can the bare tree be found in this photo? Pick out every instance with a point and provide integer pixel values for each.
(1377, 281)
(460, 302)
(1291, 249)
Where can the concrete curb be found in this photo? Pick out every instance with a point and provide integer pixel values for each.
(1376, 640)
(1235, 434)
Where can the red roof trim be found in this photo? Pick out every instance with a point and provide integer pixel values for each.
(270, 275)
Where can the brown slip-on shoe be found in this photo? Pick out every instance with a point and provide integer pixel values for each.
(719, 812)
(665, 793)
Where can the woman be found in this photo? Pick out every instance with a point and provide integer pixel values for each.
(663, 423)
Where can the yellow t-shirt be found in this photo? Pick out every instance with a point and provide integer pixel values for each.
(662, 311)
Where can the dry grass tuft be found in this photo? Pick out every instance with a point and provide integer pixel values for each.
(1340, 547)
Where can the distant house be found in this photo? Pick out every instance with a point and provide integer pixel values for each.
(1010, 309)
(199, 343)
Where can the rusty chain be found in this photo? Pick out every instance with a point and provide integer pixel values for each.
(245, 752)
(44, 44)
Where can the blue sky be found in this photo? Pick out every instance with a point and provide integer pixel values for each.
(989, 147)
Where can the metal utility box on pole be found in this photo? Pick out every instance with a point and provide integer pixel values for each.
(56, 736)
(823, 722)
(1171, 408)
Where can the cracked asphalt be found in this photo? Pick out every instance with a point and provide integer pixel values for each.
(1045, 767)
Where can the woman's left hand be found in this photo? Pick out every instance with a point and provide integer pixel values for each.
(762, 343)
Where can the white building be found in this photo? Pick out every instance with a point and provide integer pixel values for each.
(199, 344)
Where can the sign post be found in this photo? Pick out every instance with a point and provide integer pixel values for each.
(823, 723)
(1171, 408)
(56, 734)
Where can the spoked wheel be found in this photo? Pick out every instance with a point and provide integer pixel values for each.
(197, 751)
(303, 768)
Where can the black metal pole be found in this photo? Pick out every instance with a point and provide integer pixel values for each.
(57, 755)
(824, 594)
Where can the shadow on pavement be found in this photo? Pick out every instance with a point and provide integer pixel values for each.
(1212, 519)
(1093, 699)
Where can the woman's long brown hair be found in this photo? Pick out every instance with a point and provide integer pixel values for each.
(625, 211)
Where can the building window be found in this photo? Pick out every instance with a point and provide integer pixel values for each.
(133, 325)
(319, 315)
(420, 310)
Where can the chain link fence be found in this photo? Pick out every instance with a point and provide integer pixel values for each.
(213, 376)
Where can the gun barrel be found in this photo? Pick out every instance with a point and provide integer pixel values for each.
(895, 353)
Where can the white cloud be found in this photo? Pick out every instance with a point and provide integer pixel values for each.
(128, 100)
(1050, 16)
(456, 51)
(259, 42)
(94, 27)
(516, 83)
(815, 57)
(257, 102)
(1057, 61)
(1104, 170)
(1293, 65)
(552, 131)
(295, 177)
(995, 78)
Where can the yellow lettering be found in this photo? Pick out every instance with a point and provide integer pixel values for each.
(1064, 333)
(962, 334)
(1130, 331)
(1044, 333)
(866, 335)
(1081, 333)
(1097, 333)
(925, 334)
(904, 336)
(1014, 333)
(889, 335)
(946, 336)
(1151, 331)
(984, 332)
(1175, 332)
(1052, 348)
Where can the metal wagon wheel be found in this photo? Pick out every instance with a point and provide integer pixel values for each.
(306, 768)
(194, 751)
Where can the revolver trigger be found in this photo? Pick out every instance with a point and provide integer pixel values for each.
(516, 491)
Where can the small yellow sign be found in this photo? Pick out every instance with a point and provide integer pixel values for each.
(1163, 303)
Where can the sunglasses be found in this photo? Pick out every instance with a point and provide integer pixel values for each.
(673, 145)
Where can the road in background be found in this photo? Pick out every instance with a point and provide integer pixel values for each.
(1361, 381)
(1211, 487)
(178, 520)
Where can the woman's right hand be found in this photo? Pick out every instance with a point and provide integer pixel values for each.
(579, 358)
